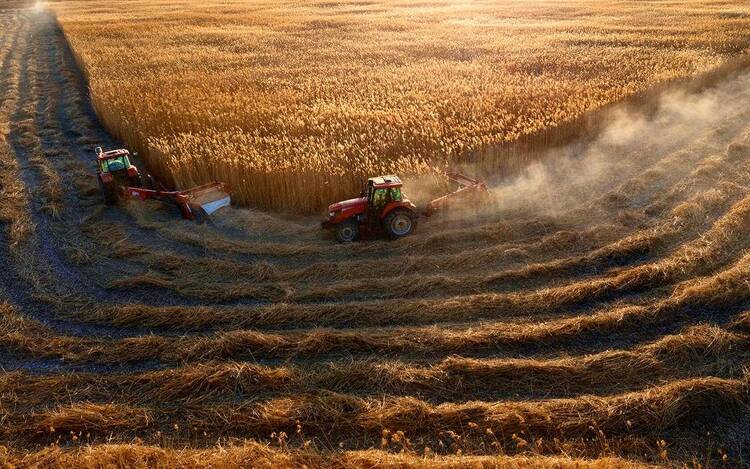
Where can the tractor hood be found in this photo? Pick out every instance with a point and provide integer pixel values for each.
(347, 204)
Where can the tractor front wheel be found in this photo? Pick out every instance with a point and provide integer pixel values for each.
(347, 231)
(110, 192)
(399, 223)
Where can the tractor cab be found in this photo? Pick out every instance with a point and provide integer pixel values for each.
(380, 206)
(380, 192)
(116, 164)
(113, 170)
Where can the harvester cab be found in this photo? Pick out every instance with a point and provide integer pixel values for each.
(114, 170)
(381, 206)
(120, 179)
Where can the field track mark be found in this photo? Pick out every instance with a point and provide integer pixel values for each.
(691, 353)
(713, 299)
(49, 275)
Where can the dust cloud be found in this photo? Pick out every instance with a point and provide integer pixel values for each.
(630, 143)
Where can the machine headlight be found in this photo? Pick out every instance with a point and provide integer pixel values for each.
(331, 214)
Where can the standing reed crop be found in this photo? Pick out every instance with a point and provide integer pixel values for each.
(295, 105)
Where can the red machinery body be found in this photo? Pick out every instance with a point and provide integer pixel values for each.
(194, 203)
(346, 209)
(382, 205)
(120, 179)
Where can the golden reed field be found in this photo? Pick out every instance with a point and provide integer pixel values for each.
(295, 103)
(595, 314)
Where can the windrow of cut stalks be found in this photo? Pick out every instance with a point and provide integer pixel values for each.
(125, 456)
(693, 352)
(679, 407)
(294, 105)
(720, 291)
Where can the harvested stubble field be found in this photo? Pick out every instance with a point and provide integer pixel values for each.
(596, 316)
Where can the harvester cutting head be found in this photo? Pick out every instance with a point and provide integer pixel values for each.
(119, 178)
(207, 198)
(195, 204)
(466, 187)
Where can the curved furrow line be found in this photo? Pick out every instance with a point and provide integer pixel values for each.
(719, 245)
(694, 352)
(678, 409)
(266, 456)
(711, 298)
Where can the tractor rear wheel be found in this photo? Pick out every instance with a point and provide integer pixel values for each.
(399, 223)
(136, 181)
(148, 182)
(347, 231)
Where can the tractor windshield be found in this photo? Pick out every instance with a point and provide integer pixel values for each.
(115, 164)
(378, 198)
(395, 195)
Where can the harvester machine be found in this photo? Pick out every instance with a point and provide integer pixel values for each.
(382, 206)
(120, 179)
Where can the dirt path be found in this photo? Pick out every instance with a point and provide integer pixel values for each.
(626, 279)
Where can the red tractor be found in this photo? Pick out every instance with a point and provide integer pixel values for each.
(382, 206)
(119, 179)
(114, 170)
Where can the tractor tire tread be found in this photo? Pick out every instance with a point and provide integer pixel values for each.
(389, 218)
